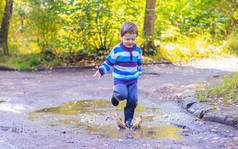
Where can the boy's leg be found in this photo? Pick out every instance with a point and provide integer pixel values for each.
(131, 104)
(120, 93)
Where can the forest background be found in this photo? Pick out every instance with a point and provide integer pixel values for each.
(53, 33)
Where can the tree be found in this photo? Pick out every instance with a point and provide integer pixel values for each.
(234, 17)
(149, 24)
(5, 27)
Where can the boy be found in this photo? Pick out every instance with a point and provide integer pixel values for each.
(125, 59)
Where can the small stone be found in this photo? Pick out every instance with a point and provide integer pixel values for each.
(188, 101)
(227, 131)
(215, 117)
(213, 130)
(214, 141)
(51, 145)
(199, 109)
(235, 138)
(5, 99)
(188, 93)
(185, 147)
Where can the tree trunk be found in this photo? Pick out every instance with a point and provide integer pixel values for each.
(149, 24)
(5, 27)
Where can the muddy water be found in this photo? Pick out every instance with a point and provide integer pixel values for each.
(96, 117)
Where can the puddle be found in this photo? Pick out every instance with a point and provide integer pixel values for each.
(96, 117)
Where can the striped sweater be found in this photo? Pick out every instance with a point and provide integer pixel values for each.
(126, 64)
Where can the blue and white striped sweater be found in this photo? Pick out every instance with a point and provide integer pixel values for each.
(126, 64)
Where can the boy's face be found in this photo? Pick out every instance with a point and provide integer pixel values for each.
(128, 40)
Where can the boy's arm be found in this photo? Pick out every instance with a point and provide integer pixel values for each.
(97, 74)
(108, 64)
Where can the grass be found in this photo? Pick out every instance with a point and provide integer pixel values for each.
(227, 91)
(46, 59)
(21, 62)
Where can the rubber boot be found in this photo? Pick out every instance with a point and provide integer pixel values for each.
(114, 101)
(129, 114)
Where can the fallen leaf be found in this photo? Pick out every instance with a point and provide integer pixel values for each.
(185, 147)
(44, 126)
(235, 138)
(227, 131)
(213, 130)
(51, 145)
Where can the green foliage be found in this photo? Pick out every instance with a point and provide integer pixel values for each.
(187, 48)
(236, 14)
(2, 6)
(92, 23)
(184, 29)
(233, 42)
(204, 94)
(190, 17)
(21, 62)
(228, 90)
(96, 24)
(45, 22)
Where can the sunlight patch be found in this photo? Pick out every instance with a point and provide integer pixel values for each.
(16, 108)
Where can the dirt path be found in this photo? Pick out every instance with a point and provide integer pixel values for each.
(22, 93)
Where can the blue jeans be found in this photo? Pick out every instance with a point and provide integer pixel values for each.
(128, 92)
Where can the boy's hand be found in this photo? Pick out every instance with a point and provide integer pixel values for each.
(97, 74)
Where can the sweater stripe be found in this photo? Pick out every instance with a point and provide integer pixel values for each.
(127, 82)
(128, 69)
(109, 63)
(126, 73)
(126, 59)
(126, 64)
(123, 77)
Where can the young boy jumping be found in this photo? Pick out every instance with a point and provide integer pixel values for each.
(125, 59)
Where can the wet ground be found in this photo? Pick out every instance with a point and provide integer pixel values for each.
(71, 109)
